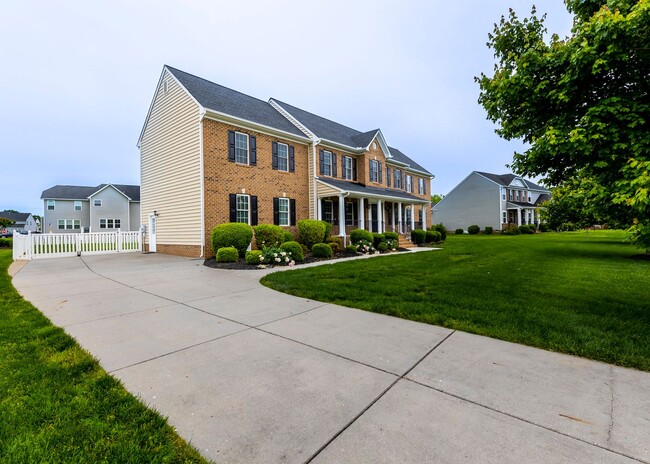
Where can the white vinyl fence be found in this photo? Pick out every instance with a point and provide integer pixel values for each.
(35, 246)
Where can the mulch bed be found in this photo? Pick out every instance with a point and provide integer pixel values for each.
(241, 264)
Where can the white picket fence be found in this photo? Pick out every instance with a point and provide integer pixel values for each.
(35, 246)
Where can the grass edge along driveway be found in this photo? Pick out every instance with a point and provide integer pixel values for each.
(567, 292)
(58, 405)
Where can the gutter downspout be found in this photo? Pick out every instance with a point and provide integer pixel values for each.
(202, 201)
(315, 141)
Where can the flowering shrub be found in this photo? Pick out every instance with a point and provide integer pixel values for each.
(276, 257)
(365, 247)
(391, 244)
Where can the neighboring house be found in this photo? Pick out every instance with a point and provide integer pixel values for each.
(490, 200)
(105, 208)
(211, 155)
(22, 221)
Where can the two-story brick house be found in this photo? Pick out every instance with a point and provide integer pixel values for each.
(211, 155)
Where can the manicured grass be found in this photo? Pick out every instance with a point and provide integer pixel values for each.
(563, 292)
(58, 405)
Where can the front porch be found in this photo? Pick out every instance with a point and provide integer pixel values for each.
(520, 214)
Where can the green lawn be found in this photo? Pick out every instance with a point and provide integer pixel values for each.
(563, 292)
(58, 405)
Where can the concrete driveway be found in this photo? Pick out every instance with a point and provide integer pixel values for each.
(250, 375)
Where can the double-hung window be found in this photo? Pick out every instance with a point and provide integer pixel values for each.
(409, 183)
(109, 223)
(504, 219)
(97, 202)
(421, 189)
(69, 224)
(374, 171)
(328, 211)
(347, 167)
(283, 211)
(283, 157)
(511, 195)
(51, 205)
(241, 148)
(349, 213)
(398, 179)
(77, 206)
(327, 163)
(243, 209)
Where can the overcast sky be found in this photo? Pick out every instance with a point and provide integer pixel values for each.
(78, 77)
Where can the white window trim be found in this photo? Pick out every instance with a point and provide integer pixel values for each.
(113, 223)
(327, 164)
(347, 170)
(248, 148)
(511, 196)
(331, 205)
(420, 186)
(287, 202)
(351, 206)
(374, 171)
(51, 203)
(409, 183)
(66, 222)
(97, 202)
(287, 156)
(78, 204)
(398, 179)
(248, 204)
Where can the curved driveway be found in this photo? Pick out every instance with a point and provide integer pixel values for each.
(247, 374)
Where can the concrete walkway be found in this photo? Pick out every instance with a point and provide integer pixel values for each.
(250, 375)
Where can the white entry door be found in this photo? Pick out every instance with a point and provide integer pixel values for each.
(152, 234)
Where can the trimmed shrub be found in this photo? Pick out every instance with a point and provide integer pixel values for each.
(459, 232)
(524, 229)
(543, 227)
(304, 249)
(227, 255)
(510, 230)
(433, 236)
(277, 256)
(418, 236)
(442, 229)
(253, 257)
(268, 235)
(232, 234)
(391, 244)
(334, 239)
(488, 230)
(328, 231)
(351, 249)
(383, 246)
(295, 249)
(391, 235)
(377, 239)
(473, 229)
(356, 235)
(288, 237)
(311, 231)
(321, 250)
(336, 247)
(6, 242)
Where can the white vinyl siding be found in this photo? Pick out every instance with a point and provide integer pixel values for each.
(170, 167)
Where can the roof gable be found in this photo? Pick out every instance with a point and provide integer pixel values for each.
(507, 180)
(16, 217)
(79, 192)
(221, 99)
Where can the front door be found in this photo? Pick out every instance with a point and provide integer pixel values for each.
(152, 234)
(373, 218)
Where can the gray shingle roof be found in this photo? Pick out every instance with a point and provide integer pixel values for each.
(16, 217)
(542, 198)
(335, 132)
(224, 100)
(79, 192)
(359, 188)
(506, 179)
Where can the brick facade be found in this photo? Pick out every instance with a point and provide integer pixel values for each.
(223, 177)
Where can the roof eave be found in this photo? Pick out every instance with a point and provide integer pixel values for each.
(227, 118)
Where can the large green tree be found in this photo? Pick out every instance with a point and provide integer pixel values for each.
(580, 103)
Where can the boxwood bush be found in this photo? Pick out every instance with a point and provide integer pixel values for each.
(232, 234)
(488, 230)
(328, 231)
(432, 236)
(442, 229)
(253, 257)
(295, 249)
(268, 235)
(377, 239)
(473, 229)
(321, 250)
(418, 236)
(382, 246)
(391, 235)
(288, 237)
(351, 249)
(356, 235)
(524, 229)
(460, 231)
(6, 242)
(227, 255)
(311, 231)
(543, 227)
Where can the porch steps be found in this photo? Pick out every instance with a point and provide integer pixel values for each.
(405, 242)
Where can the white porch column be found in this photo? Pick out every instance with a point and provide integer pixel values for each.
(342, 217)
(319, 208)
(362, 220)
(424, 216)
(399, 218)
(518, 216)
(392, 215)
(380, 217)
(412, 216)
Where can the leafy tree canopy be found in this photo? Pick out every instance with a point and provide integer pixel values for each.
(4, 222)
(435, 198)
(580, 103)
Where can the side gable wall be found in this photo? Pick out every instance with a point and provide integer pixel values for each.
(170, 169)
(474, 201)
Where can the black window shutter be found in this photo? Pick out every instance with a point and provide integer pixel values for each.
(387, 176)
(403, 180)
(233, 207)
(292, 160)
(334, 165)
(231, 146)
(424, 186)
(253, 210)
(380, 170)
(276, 211)
(292, 211)
(253, 151)
(322, 162)
(395, 174)
(274, 162)
(354, 169)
